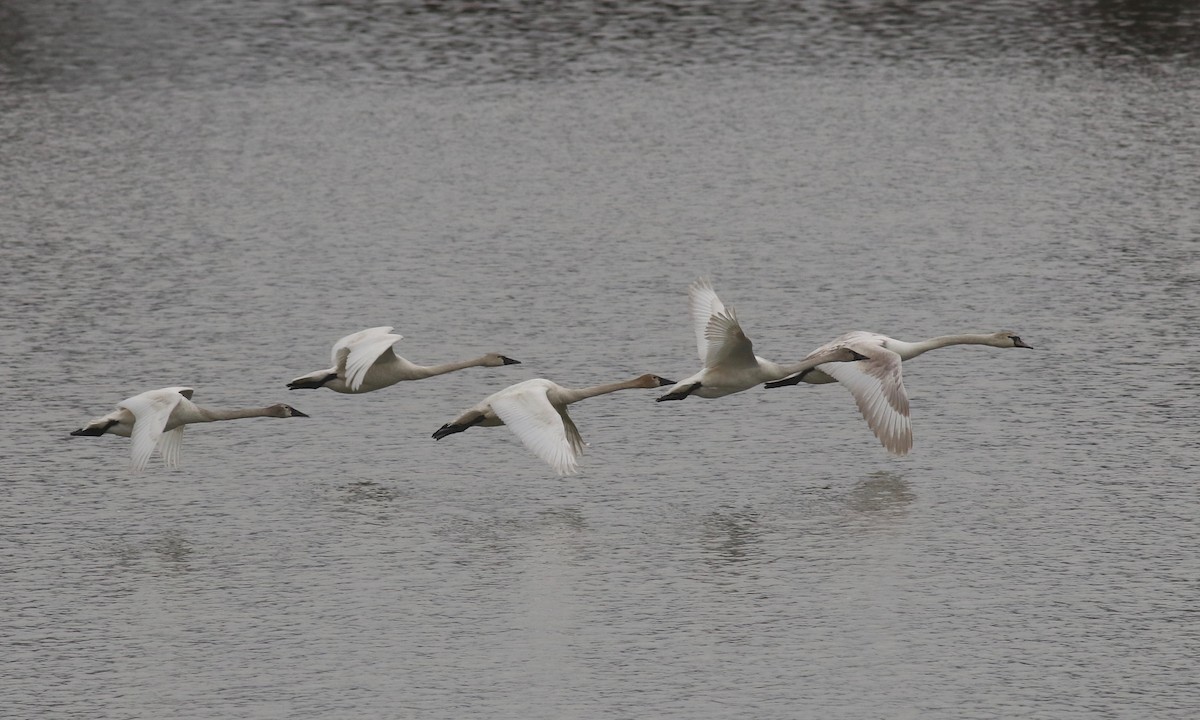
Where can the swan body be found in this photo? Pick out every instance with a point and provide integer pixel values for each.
(156, 418)
(730, 365)
(877, 384)
(364, 361)
(536, 411)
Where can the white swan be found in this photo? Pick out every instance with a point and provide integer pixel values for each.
(536, 411)
(876, 383)
(156, 418)
(730, 364)
(364, 361)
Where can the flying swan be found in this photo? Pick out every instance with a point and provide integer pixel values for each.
(730, 365)
(156, 418)
(876, 383)
(536, 411)
(364, 361)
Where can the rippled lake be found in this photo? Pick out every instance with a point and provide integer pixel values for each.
(210, 193)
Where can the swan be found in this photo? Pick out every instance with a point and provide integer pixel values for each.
(876, 383)
(730, 365)
(536, 411)
(364, 361)
(156, 418)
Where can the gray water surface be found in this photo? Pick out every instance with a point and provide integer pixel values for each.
(211, 194)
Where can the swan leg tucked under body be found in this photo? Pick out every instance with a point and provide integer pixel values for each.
(365, 361)
(877, 384)
(536, 411)
(730, 365)
(156, 418)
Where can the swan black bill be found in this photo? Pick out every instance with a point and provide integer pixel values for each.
(509, 361)
(297, 413)
(1018, 342)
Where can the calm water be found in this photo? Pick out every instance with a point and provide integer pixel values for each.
(210, 194)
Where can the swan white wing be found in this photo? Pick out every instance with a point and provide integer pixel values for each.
(352, 338)
(541, 427)
(365, 353)
(573, 435)
(704, 303)
(169, 446)
(151, 410)
(858, 340)
(728, 346)
(878, 388)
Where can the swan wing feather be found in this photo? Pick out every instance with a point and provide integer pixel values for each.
(573, 435)
(728, 346)
(151, 411)
(878, 389)
(542, 427)
(704, 304)
(169, 446)
(365, 353)
(345, 343)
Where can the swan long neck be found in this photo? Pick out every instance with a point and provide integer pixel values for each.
(573, 395)
(424, 371)
(207, 415)
(908, 351)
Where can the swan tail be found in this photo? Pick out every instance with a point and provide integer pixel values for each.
(312, 381)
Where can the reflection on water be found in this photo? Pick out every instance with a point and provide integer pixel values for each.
(366, 491)
(494, 41)
(173, 550)
(167, 552)
(881, 494)
(730, 536)
(563, 518)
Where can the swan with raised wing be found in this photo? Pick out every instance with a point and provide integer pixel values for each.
(536, 411)
(876, 382)
(730, 365)
(364, 361)
(156, 418)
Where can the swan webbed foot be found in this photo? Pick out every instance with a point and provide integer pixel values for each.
(447, 429)
(680, 394)
(451, 428)
(94, 430)
(793, 380)
(310, 383)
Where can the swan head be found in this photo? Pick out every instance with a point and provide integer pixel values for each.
(653, 381)
(1007, 339)
(284, 410)
(496, 360)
